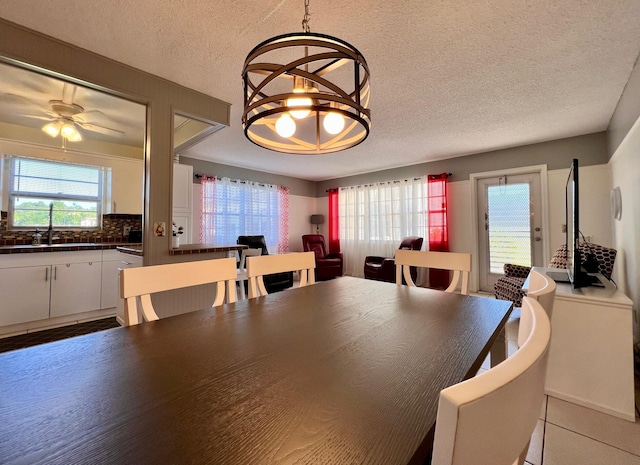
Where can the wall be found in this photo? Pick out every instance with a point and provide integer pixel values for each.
(24, 47)
(591, 149)
(624, 148)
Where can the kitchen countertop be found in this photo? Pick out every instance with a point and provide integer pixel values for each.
(28, 248)
(188, 249)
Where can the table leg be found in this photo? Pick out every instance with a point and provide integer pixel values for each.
(499, 349)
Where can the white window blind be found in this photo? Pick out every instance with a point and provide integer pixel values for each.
(76, 192)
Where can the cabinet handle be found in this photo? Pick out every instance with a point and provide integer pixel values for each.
(46, 274)
(55, 273)
(125, 263)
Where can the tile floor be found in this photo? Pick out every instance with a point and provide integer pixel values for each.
(566, 434)
(48, 335)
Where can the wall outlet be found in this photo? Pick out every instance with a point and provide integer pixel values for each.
(126, 230)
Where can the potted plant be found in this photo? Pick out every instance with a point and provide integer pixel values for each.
(176, 232)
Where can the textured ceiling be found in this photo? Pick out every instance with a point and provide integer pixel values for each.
(448, 78)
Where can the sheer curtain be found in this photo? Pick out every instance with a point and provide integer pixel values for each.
(374, 218)
(232, 208)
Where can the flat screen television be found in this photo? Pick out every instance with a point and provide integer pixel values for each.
(578, 276)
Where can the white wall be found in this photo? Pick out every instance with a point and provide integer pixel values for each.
(625, 173)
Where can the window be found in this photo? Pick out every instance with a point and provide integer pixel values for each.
(232, 208)
(74, 193)
(374, 218)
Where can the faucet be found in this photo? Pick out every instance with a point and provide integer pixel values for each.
(50, 230)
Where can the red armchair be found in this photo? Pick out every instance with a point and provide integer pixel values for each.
(328, 265)
(384, 268)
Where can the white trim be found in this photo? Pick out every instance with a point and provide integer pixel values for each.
(544, 199)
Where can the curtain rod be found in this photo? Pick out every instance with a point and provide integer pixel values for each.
(382, 182)
(239, 181)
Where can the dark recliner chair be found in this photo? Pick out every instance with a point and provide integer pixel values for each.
(328, 265)
(384, 268)
(273, 282)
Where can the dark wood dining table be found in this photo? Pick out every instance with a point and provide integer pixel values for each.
(346, 371)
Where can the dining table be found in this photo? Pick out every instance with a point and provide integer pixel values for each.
(346, 371)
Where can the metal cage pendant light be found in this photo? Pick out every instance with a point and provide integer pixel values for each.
(315, 103)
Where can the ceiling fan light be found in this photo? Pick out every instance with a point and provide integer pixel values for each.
(69, 132)
(76, 137)
(52, 129)
(285, 126)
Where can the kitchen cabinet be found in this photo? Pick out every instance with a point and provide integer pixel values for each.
(112, 262)
(38, 286)
(75, 288)
(182, 203)
(25, 294)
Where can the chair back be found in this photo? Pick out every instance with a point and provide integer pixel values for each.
(459, 263)
(489, 419)
(139, 283)
(254, 242)
(248, 253)
(411, 243)
(543, 289)
(257, 267)
(314, 243)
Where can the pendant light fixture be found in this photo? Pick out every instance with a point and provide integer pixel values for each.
(306, 93)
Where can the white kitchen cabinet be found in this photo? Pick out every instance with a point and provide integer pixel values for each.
(75, 288)
(112, 261)
(183, 200)
(25, 294)
(37, 286)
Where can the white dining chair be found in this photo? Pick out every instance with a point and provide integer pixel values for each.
(489, 419)
(137, 284)
(242, 269)
(459, 263)
(302, 262)
(543, 289)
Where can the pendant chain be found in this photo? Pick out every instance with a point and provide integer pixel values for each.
(307, 17)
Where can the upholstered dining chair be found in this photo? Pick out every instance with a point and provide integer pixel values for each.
(489, 418)
(384, 268)
(543, 289)
(459, 263)
(257, 267)
(139, 283)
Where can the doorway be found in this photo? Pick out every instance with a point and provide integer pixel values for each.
(511, 221)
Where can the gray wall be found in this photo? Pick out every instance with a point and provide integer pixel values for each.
(626, 112)
(591, 149)
(296, 186)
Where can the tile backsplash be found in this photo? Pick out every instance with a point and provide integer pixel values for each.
(112, 231)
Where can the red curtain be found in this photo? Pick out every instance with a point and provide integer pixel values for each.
(438, 226)
(334, 224)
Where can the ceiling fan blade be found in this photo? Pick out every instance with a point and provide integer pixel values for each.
(44, 118)
(99, 129)
(20, 101)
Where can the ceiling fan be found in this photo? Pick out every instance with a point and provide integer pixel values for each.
(66, 118)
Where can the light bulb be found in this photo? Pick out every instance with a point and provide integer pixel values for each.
(285, 126)
(299, 102)
(333, 123)
(67, 130)
(52, 129)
